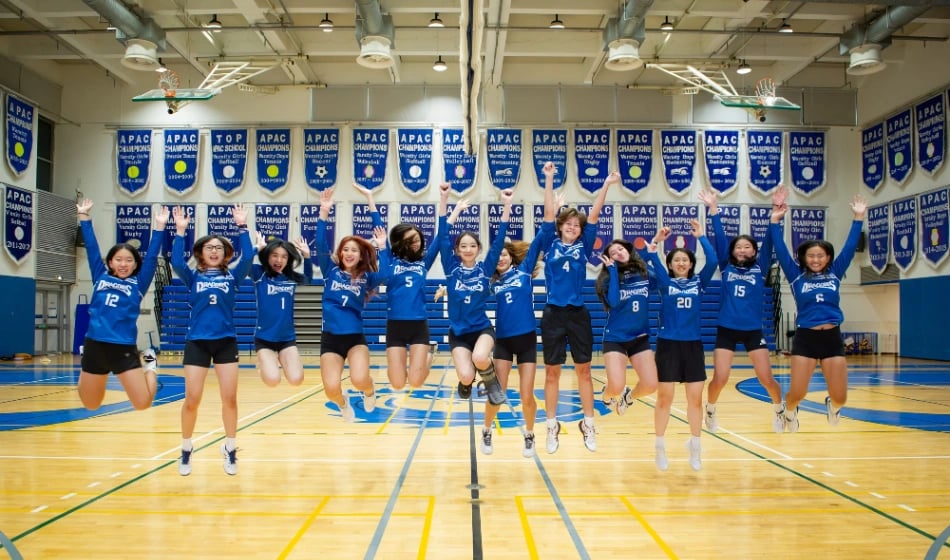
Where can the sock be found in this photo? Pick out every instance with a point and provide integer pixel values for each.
(778, 407)
(551, 422)
(186, 444)
(528, 433)
(711, 407)
(694, 441)
(791, 413)
(660, 442)
(486, 429)
(230, 443)
(589, 421)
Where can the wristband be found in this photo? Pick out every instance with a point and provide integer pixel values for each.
(242, 226)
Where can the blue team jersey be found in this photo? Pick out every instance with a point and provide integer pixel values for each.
(115, 302)
(628, 298)
(406, 280)
(681, 298)
(275, 303)
(468, 288)
(514, 296)
(212, 292)
(817, 296)
(344, 297)
(565, 266)
(742, 294)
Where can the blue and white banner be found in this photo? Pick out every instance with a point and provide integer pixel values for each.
(639, 223)
(806, 224)
(273, 158)
(221, 222)
(18, 217)
(515, 222)
(171, 231)
(934, 225)
(133, 225)
(605, 232)
(414, 152)
(678, 148)
(677, 217)
(635, 157)
(759, 219)
(133, 156)
(321, 152)
(872, 156)
(537, 216)
(765, 159)
(469, 220)
(272, 221)
(900, 157)
(228, 158)
(731, 217)
(504, 157)
(592, 154)
(904, 232)
(309, 215)
(458, 165)
(422, 216)
(19, 134)
(806, 158)
(363, 219)
(370, 150)
(721, 149)
(181, 159)
(549, 145)
(879, 236)
(931, 117)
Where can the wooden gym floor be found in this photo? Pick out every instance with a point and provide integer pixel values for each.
(408, 481)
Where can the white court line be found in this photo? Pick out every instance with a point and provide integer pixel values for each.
(38, 509)
(876, 495)
(67, 496)
(851, 484)
(828, 474)
(908, 508)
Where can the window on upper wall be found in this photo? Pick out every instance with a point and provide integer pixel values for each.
(44, 155)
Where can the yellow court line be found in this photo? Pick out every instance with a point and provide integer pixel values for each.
(395, 411)
(303, 529)
(526, 527)
(426, 529)
(656, 536)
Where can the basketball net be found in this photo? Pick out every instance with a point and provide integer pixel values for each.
(169, 82)
(765, 91)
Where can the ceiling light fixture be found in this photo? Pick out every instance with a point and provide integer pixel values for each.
(440, 65)
(215, 23)
(743, 68)
(436, 21)
(556, 23)
(666, 26)
(161, 66)
(786, 28)
(326, 24)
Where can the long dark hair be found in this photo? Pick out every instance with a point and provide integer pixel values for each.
(128, 247)
(634, 267)
(400, 248)
(293, 257)
(806, 245)
(517, 251)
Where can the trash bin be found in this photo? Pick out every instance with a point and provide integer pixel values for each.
(81, 323)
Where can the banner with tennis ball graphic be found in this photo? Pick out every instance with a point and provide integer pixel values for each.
(635, 156)
(900, 155)
(181, 159)
(931, 118)
(20, 128)
(273, 158)
(133, 156)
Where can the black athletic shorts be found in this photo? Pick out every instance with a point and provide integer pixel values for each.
(729, 339)
(680, 361)
(102, 357)
(400, 333)
(817, 344)
(563, 325)
(521, 346)
(203, 353)
(340, 343)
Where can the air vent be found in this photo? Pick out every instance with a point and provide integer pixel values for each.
(865, 59)
(623, 55)
(140, 55)
(891, 275)
(375, 53)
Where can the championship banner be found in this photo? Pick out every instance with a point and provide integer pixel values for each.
(504, 157)
(414, 152)
(19, 134)
(931, 118)
(592, 154)
(605, 231)
(459, 167)
(181, 159)
(422, 216)
(934, 228)
(133, 157)
(549, 145)
(806, 224)
(515, 222)
(220, 221)
(363, 219)
(537, 216)
(370, 150)
(18, 217)
(309, 215)
(904, 232)
(321, 152)
(635, 156)
(228, 158)
(899, 146)
(677, 217)
(171, 231)
(872, 156)
(765, 159)
(731, 217)
(721, 149)
(133, 225)
(273, 158)
(879, 236)
(759, 219)
(678, 148)
(806, 157)
(272, 221)
(469, 220)
(639, 222)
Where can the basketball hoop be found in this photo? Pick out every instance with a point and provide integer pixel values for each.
(765, 91)
(169, 81)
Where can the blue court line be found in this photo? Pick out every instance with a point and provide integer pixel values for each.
(477, 553)
(5, 544)
(940, 541)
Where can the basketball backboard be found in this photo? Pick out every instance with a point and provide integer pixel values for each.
(179, 94)
(756, 102)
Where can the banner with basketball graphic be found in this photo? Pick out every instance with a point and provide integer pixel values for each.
(591, 154)
(20, 128)
(459, 166)
(228, 158)
(515, 221)
(605, 231)
(806, 159)
(171, 231)
(414, 154)
(721, 151)
(549, 145)
(370, 151)
(504, 157)
(931, 118)
(181, 159)
(807, 224)
(273, 158)
(879, 236)
(309, 216)
(133, 156)
(765, 159)
(731, 217)
(678, 153)
(677, 217)
(133, 225)
(899, 145)
(872, 156)
(272, 221)
(934, 225)
(639, 223)
(635, 157)
(904, 232)
(18, 217)
(321, 152)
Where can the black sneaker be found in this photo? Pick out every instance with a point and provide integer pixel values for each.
(465, 391)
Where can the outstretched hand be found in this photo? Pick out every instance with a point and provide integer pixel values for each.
(161, 218)
(301, 244)
(708, 197)
(84, 206)
(859, 205)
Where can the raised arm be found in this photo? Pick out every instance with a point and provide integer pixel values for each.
(178, 246)
(150, 262)
(323, 250)
(777, 236)
(653, 253)
(304, 249)
(243, 266)
(595, 208)
(93, 254)
(706, 274)
(859, 207)
(708, 197)
(550, 203)
(494, 251)
(613, 286)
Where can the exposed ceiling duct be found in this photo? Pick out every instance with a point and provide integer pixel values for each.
(375, 35)
(624, 35)
(142, 38)
(863, 43)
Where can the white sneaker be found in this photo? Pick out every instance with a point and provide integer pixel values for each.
(347, 412)
(834, 416)
(778, 423)
(552, 442)
(712, 422)
(184, 462)
(590, 436)
(695, 455)
(661, 462)
(624, 401)
(369, 402)
(230, 460)
(528, 450)
(487, 448)
(791, 422)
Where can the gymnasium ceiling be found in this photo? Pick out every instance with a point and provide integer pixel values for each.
(518, 47)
